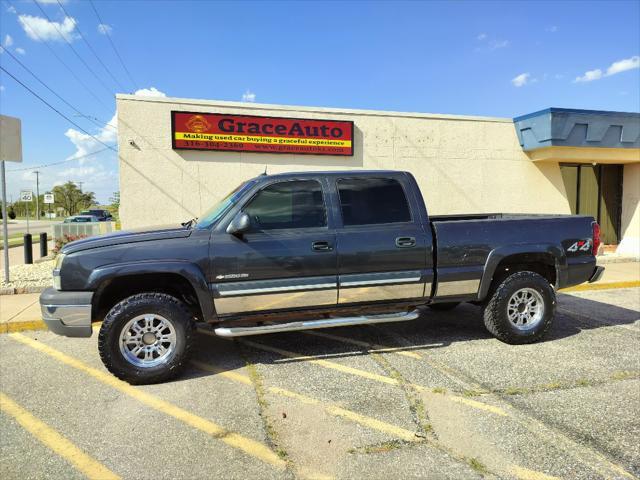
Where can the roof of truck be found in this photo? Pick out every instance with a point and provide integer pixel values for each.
(333, 173)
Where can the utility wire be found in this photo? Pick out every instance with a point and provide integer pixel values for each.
(93, 120)
(106, 32)
(91, 49)
(64, 37)
(55, 109)
(53, 52)
(45, 165)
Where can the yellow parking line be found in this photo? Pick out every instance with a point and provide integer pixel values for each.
(90, 467)
(331, 409)
(601, 286)
(371, 347)
(526, 474)
(372, 376)
(235, 440)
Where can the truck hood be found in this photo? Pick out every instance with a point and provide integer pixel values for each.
(128, 236)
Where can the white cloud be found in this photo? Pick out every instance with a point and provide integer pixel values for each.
(481, 36)
(624, 65)
(21, 51)
(11, 9)
(590, 76)
(620, 66)
(248, 96)
(8, 41)
(495, 44)
(40, 29)
(521, 80)
(1, 88)
(149, 92)
(552, 29)
(104, 29)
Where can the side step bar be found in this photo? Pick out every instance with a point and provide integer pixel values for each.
(315, 324)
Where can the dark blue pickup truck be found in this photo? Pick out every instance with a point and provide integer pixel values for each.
(311, 250)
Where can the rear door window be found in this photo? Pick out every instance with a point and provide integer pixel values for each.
(371, 201)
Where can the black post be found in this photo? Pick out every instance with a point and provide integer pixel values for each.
(43, 244)
(28, 249)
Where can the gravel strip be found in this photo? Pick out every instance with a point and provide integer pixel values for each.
(36, 276)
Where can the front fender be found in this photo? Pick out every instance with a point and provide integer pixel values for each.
(190, 271)
(498, 254)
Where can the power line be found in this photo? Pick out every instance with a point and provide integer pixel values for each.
(56, 110)
(91, 48)
(45, 165)
(73, 73)
(64, 37)
(97, 122)
(106, 32)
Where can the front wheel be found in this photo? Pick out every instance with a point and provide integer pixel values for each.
(521, 309)
(146, 338)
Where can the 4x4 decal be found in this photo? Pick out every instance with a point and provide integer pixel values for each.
(580, 245)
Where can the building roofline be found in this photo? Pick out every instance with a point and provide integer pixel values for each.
(323, 110)
(574, 111)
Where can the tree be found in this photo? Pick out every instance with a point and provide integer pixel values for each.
(71, 199)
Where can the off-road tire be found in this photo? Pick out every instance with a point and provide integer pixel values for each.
(444, 306)
(159, 303)
(496, 317)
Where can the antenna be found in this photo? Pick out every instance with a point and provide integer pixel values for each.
(265, 170)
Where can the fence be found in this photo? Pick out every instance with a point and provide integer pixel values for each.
(89, 229)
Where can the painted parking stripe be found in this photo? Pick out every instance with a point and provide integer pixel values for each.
(334, 410)
(235, 440)
(371, 347)
(84, 463)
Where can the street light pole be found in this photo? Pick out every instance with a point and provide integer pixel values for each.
(37, 194)
(5, 231)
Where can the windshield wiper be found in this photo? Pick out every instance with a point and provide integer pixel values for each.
(189, 223)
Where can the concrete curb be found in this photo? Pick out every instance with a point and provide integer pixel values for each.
(22, 290)
(30, 325)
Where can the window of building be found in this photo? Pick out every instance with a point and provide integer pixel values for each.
(367, 201)
(284, 205)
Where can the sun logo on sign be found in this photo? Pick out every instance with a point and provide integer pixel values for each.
(198, 124)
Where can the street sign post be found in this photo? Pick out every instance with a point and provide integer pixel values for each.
(10, 151)
(48, 200)
(26, 196)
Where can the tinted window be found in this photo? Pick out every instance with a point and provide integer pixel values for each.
(366, 201)
(295, 204)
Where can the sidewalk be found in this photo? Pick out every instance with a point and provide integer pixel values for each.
(22, 312)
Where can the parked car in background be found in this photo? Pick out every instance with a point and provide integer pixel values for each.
(81, 219)
(102, 215)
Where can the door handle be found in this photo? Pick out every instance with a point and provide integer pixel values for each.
(405, 242)
(321, 246)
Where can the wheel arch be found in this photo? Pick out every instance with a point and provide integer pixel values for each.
(184, 280)
(548, 260)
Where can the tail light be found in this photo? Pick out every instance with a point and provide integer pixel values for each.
(596, 238)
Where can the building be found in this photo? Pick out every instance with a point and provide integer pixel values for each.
(173, 166)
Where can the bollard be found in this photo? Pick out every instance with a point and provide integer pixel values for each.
(28, 249)
(43, 244)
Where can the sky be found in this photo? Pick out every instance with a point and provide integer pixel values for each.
(456, 57)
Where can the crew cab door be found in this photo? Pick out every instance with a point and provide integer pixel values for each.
(286, 260)
(384, 252)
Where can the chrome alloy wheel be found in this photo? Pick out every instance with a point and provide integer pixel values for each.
(147, 340)
(525, 309)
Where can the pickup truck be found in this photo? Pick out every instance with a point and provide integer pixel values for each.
(311, 250)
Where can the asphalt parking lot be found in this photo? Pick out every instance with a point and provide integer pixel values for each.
(434, 398)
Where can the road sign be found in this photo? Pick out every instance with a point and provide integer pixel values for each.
(10, 139)
(26, 196)
(48, 198)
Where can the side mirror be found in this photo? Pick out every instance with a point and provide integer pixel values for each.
(239, 225)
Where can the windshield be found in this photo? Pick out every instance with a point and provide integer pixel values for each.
(212, 215)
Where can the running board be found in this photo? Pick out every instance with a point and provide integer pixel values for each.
(315, 324)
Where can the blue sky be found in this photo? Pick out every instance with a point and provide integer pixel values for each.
(476, 58)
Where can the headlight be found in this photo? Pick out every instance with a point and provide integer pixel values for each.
(59, 260)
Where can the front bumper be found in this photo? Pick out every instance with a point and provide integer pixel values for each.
(67, 313)
(597, 274)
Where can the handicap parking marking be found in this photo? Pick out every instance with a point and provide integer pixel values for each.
(49, 437)
(233, 439)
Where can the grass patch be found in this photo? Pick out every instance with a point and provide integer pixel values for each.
(583, 382)
(623, 375)
(439, 390)
(514, 391)
(378, 448)
(552, 386)
(478, 466)
(471, 393)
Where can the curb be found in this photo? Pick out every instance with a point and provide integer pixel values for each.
(21, 290)
(30, 325)
(601, 286)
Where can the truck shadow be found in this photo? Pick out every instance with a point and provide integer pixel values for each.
(431, 331)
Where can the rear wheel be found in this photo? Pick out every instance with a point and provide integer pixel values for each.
(444, 306)
(146, 338)
(521, 308)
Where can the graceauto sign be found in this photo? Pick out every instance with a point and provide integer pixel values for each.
(248, 133)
